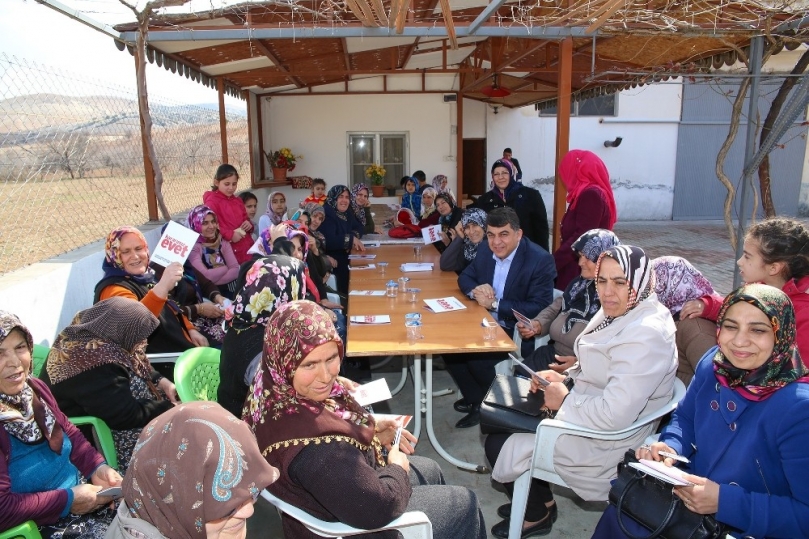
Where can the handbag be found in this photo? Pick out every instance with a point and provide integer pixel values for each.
(510, 407)
(652, 504)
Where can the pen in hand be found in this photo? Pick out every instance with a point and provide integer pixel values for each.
(674, 456)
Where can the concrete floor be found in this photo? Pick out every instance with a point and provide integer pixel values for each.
(704, 244)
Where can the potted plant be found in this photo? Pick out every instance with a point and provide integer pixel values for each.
(281, 161)
(376, 174)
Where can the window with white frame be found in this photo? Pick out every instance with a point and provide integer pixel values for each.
(390, 150)
(603, 105)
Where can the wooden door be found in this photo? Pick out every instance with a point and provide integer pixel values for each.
(474, 167)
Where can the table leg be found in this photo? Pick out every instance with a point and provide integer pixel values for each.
(417, 395)
(479, 468)
(403, 380)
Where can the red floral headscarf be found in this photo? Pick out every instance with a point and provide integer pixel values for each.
(581, 169)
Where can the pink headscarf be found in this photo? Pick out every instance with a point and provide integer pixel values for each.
(581, 169)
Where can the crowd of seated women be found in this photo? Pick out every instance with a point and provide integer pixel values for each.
(624, 327)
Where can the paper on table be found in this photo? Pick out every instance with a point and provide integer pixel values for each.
(371, 319)
(367, 293)
(361, 257)
(365, 267)
(368, 244)
(372, 392)
(175, 245)
(416, 266)
(400, 420)
(669, 474)
(431, 234)
(443, 305)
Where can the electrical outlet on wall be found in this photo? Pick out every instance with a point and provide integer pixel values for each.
(449, 158)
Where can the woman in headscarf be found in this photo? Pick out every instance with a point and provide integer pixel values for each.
(317, 258)
(441, 186)
(742, 424)
(591, 204)
(127, 274)
(276, 211)
(568, 315)
(97, 366)
(196, 473)
(326, 446)
(429, 213)
(627, 360)
(43, 456)
(212, 255)
(466, 236)
(270, 282)
(677, 283)
(342, 231)
(526, 201)
(361, 204)
(450, 214)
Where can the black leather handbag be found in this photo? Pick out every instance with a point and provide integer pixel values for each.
(510, 407)
(651, 503)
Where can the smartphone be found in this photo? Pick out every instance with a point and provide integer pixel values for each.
(527, 369)
(111, 492)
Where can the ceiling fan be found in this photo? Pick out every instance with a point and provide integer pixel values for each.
(495, 90)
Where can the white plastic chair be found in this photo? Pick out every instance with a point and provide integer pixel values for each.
(412, 525)
(549, 431)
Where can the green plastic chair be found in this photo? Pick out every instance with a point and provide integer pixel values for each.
(28, 530)
(39, 355)
(196, 374)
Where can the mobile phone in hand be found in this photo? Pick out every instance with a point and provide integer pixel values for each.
(527, 369)
(111, 492)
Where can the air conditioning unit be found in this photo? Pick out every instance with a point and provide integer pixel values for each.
(450, 98)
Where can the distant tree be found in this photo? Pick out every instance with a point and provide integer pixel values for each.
(69, 154)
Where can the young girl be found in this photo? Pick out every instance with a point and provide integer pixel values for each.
(276, 211)
(234, 224)
(776, 252)
(251, 205)
(411, 200)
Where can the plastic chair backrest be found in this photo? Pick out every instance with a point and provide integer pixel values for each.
(39, 355)
(196, 374)
(102, 435)
(28, 530)
(412, 525)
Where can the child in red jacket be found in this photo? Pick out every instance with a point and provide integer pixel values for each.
(234, 225)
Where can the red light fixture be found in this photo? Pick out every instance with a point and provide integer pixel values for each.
(494, 90)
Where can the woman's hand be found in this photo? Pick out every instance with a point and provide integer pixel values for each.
(702, 498)
(171, 276)
(550, 376)
(459, 230)
(238, 234)
(395, 456)
(219, 299)
(692, 309)
(332, 261)
(197, 338)
(85, 499)
(208, 310)
(378, 230)
(555, 393)
(330, 304)
(652, 452)
(563, 363)
(349, 384)
(528, 332)
(166, 386)
(247, 226)
(357, 245)
(313, 246)
(105, 476)
(277, 231)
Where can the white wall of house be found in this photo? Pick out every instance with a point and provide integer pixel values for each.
(641, 168)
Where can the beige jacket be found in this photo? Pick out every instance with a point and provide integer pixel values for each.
(624, 371)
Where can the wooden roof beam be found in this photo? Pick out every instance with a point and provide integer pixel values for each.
(275, 60)
(446, 10)
(346, 57)
(531, 49)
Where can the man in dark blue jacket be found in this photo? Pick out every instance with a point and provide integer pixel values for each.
(509, 272)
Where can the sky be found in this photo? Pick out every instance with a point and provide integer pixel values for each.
(33, 32)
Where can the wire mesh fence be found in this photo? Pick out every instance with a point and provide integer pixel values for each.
(71, 160)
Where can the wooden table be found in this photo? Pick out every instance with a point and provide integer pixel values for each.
(443, 333)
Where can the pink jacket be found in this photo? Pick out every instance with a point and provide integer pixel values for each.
(798, 293)
(221, 275)
(231, 213)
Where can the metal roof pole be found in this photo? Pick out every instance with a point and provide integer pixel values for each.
(756, 54)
